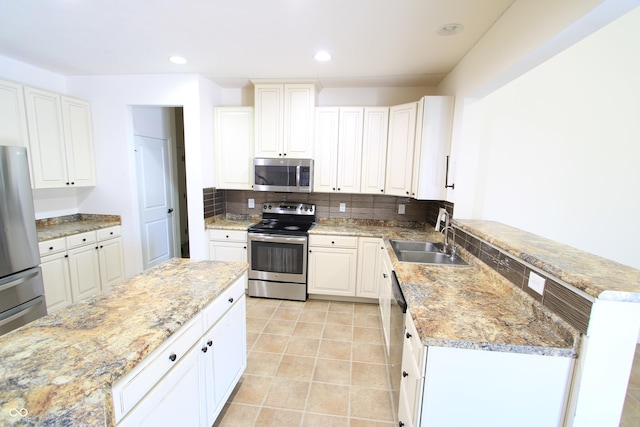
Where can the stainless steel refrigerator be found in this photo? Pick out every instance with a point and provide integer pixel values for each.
(21, 288)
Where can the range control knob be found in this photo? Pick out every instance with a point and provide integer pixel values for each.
(264, 206)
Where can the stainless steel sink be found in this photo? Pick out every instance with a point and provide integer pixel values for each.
(423, 252)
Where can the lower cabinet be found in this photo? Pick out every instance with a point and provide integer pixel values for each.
(188, 379)
(457, 386)
(369, 266)
(80, 265)
(228, 245)
(332, 265)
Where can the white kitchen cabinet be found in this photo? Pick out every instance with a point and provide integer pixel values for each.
(60, 140)
(493, 387)
(369, 266)
(284, 118)
(338, 158)
(80, 265)
(432, 142)
(400, 149)
(224, 358)
(234, 135)
(228, 245)
(374, 150)
(13, 117)
(332, 266)
(187, 380)
(385, 298)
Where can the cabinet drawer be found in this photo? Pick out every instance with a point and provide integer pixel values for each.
(81, 239)
(214, 311)
(52, 246)
(333, 241)
(228, 235)
(109, 233)
(131, 388)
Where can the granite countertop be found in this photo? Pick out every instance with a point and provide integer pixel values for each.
(54, 228)
(60, 368)
(599, 277)
(217, 223)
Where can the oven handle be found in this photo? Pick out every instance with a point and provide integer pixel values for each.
(277, 239)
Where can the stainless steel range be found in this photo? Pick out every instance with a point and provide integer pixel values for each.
(278, 251)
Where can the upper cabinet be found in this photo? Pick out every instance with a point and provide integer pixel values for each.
(284, 118)
(432, 144)
(13, 120)
(374, 150)
(400, 149)
(338, 154)
(234, 147)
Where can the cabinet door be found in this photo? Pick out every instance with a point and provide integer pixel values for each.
(78, 141)
(175, 400)
(433, 139)
(332, 271)
(111, 267)
(269, 108)
(57, 287)
(402, 124)
(224, 356)
(13, 119)
(369, 266)
(350, 149)
(84, 272)
(234, 147)
(326, 149)
(46, 140)
(299, 106)
(374, 150)
(385, 292)
(227, 251)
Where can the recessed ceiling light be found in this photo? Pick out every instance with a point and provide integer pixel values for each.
(178, 60)
(450, 29)
(322, 56)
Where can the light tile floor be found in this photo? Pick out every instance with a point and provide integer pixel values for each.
(631, 411)
(313, 363)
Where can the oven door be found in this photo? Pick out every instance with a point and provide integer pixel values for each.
(278, 258)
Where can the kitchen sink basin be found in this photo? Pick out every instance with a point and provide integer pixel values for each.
(423, 252)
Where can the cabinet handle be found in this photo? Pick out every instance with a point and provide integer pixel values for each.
(73, 183)
(405, 374)
(204, 349)
(338, 188)
(111, 233)
(333, 243)
(173, 357)
(231, 300)
(66, 256)
(334, 188)
(310, 251)
(382, 190)
(407, 193)
(96, 248)
(244, 247)
(101, 246)
(209, 343)
(384, 275)
(408, 335)
(50, 248)
(227, 236)
(67, 183)
(446, 177)
(84, 240)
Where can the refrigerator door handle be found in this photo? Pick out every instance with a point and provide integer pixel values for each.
(32, 306)
(22, 279)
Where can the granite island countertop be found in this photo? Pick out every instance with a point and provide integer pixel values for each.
(59, 369)
(62, 226)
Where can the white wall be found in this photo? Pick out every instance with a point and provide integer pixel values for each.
(111, 99)
(557, 150)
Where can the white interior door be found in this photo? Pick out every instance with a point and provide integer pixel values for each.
(154, 196)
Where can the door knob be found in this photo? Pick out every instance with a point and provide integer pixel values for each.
(170, 210)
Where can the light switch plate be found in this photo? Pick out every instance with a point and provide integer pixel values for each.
(536, 282)
(401, 209)
(343, 207)
(251, 204)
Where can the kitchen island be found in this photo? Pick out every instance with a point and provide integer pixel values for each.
(60, 369)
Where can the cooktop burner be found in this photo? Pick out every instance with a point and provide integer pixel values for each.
(285, 218)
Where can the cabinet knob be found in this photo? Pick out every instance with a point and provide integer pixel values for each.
(231, 300)
(84, 240)
(67, 183)
(173, 357)
(382, 190)
(333, 243)
(96, 248)
(111, 233)
(204, 349)
(334, 188)
(209, 343)
(73, 183)
(407, 193)
(244, 247)
(400, 424)
(101, 246)
(408, 335)
(405, 374)
(227, 236)
(50, 248)
(338, 188)
(384, 275)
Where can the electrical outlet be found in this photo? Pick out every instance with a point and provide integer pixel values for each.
(343, 207)
(401, 209)
(251, 203)
(536, 282)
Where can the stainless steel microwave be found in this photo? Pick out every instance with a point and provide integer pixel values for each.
(289, 175)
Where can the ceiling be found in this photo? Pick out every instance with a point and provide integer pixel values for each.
(385, 43)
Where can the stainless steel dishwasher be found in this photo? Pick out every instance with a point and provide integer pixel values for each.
(396, 334)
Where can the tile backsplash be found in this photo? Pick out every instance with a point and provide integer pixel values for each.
(357, 206)
(214, 202)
